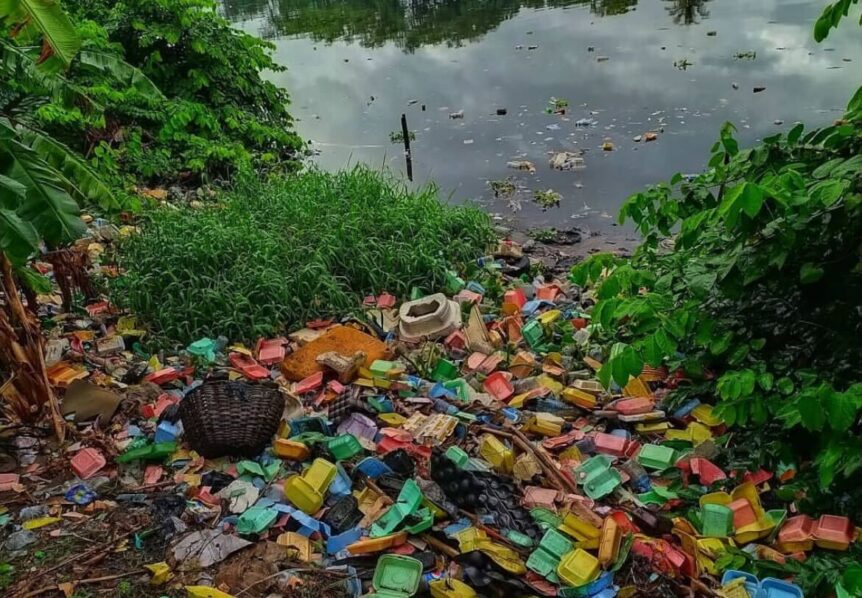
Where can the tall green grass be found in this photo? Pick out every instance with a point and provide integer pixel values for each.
(272, 255)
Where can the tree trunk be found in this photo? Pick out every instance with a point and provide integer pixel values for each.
(22, 356)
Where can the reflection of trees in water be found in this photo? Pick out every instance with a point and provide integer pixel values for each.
(409, 23)
(687, 12)
(606, 8)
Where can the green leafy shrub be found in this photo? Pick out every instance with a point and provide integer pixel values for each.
(749, 285)
(760, 296)
(275, 254)
(214, 114)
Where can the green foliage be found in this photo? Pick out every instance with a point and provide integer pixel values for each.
(275, 254)
(171, 94)
(40, 178)
(749, 283)
(832, 15)
(43, 21)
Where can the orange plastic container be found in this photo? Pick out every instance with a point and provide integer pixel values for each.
(372, 545)
(290, 450)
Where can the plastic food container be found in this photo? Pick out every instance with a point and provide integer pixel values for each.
(578, 568)
(396, 576)
(833, 532)
(716, 520)
(499, 386)
(797, 534)
(501, 457)
(579, 398)
(656, 457)
(609, 544)
(372, 545)
(290, 450)
(775, 588)
(344, 447)
(450, 588)
(306, 491)
(603, 484)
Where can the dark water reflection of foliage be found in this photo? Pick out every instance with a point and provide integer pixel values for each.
(412, 24)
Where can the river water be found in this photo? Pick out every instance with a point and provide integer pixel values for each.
(679, 68)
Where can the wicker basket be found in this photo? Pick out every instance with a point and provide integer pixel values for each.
(231, 418)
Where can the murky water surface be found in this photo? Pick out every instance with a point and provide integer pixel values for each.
(676, 68)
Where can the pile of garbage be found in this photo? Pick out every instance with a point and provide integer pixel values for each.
(452, 446)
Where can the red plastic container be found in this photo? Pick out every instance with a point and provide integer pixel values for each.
(833, 532)
(248, 366)
(515, 296)
(634, 406)
(499, 385)
(313, 382)
(87, 462)
(797, 529)
(270, 351)
(610, 444)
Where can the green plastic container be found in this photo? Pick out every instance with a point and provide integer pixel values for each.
(309, 438)
(555, 543)
(716, 521)
(543, 563)
(205, 348)
(603, 483)
(396, 576)
(592, 466)
(460, 386)
(454, 283)
(251, 467)
(444, 370)
(344, 447)
(656, 457)
(150, 452)
(381, 367)
(408, 503)
(533, 333)
(457, 455)
(256, 519)
(519, 539)
(422, 521)
(545, 517)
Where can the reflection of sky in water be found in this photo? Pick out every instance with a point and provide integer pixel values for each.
(636, 90)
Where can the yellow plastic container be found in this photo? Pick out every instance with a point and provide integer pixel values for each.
(549, 317)
(636, 388)
(497, 454)
(545, 424)
(703, 413)
(578, 568)
(306, 491)
(206, 592)
(451, 588)
(582, 531)
(652, 427)
(320, 474)
(609, 543)
(504, 556)
(303, 495)
(393, 419)
(579, 398)
(754, 531)
(545, 381)
(716, 498)
(290, 450)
